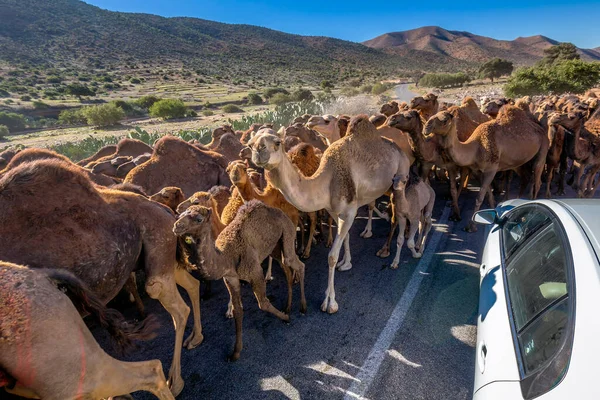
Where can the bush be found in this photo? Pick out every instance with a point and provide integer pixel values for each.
(147, 101)
(327, 85)
(72, 117)
(40, 105)
(254, 99)
(135, 81)
(78, 90)
(273, 91)
(3, 131)
(302, 95)
(103, 115)
(191, 113)
(168, 109)
(25, 98)
(573, 76)
(4, 93)
(444, 80)
(379, 88)
(231, 108)
(280, 99)
(366, 89)
(208, 113)
(13, 121)
(54, 79)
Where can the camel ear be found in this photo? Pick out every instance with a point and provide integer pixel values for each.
(252, 141)
(281, 132)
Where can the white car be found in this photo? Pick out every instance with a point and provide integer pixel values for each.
(538, 329)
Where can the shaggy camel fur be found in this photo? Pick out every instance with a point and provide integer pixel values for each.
(237, 253)
(428, 152)
(103, 152)
(306, 135)
(412, 201)
(6, 156)
(354, 171)
(100, 235)
(389, 109)
(170, 196)
(125, 168)
(177, 163)
(506, 143)
(126, 147)
(220, 194)
(426, 105)
(29, 155)
(40, 323)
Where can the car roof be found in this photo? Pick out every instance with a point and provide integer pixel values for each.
(586, 212)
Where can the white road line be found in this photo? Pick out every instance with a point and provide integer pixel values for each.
(369, 370)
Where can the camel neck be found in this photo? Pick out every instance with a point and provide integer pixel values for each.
(205, 254)
(462, 154)
(246, 190)
(306, 194)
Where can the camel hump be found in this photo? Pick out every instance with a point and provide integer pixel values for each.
(29, 155)
(360, 126)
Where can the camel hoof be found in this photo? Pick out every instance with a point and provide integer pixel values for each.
(305, 255)
(383, 253)
(329, 243)
(233, 357)
(385, 216)
(417, 255)
(193, 341)
(394, 266)
(229, 314)
(303, 308)
(175, 387)
(455, 218)
(268, 279)
(344, 267)
(366, 234)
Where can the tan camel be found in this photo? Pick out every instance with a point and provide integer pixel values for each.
(220, 194)
(229, 146)
(412, 201)
(217, 134)
(100, 235)
(506, 143)
(470, 108)
(306, 135)
(354, 171)
(327, 126)
(205, 199)
(557, 157)
(170, 196)
(378, 120)
(6, 155)
(492, 107)
(389, 109)
(426, 105)
(175, 162)
(40, 323)
(237, 253)
(29, 155)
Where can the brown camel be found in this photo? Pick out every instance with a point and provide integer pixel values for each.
(389, 109)
(229, 146)
(412, 201)
(204, 199)
(492, 107)
(40, 323)
(237, 253)
(177, 163)
(217, 134)
(556, 157)
(29, 155)
(7, 155)
(306, 135)
(100, 235)
(127, 148)
(170, 196)
(378, 120)
(506, 143)
(125, 168)
(103, 152)
(110, 167)
(426, 105)
(469, 106)
(354, 171)
(302, 119)
(220, 194)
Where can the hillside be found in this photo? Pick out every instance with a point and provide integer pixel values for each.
(467, 46)
(72, 33)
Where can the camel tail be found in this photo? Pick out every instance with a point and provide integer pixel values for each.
(124, 333)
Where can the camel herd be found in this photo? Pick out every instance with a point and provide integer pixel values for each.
(176, 213)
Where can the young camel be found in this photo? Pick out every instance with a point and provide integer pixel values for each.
(354, 171)
(101, 236)
(40, 323)
(412, 200)
(506, 143)
(170, 196)
(237, 253)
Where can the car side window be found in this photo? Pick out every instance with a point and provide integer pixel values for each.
(537, 260)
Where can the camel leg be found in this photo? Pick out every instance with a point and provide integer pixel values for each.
(454, 194)
(486, 181)
(302, 238)
(235, 295)
(383, 215)
(464, 180)
(410, 243)
(164, 289)
(562, 175)
(491, 198)
(401, 220)
(311, 234)
(385, 250)
(259, 288)
(192, 287)
(289, 278)
(346, 262)
(549, 182)
(367, 232)
(269, 275)
(131, 287)
(344, 224)
(538, 169)
(329, 242)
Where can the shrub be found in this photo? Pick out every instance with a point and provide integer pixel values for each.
(147, 101)
(168, 109)
(273, 91)
(13, 121)
(302, 95)
(379, 88)
(444, 80)
(3, 131)
(280, 98)
(25, 98)
(72, 117)
(54, 79)
(4, 93)
(135, 81)
(78, 90)
(191, 113)
(327, 85)
(208, 113)
(254, 99)
(231, 108)
(103, 115)
(350, 91)
(40, 105)
(366, 89)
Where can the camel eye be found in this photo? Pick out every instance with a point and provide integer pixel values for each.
(199, 218)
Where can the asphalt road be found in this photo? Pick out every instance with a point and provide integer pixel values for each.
(399, 334)
(403, 94)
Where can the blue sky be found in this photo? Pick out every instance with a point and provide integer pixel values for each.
(569, 21)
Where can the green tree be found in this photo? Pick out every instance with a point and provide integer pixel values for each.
(444, 80)
(78, 90)
(273, 91)
(495, 68)
(72, 117)
(103, 115)
(560, 52)
(280, 98)
(147, 101)
(168, 109)
(254, 99)
(3, 131)
(15, 122)
(302, 95)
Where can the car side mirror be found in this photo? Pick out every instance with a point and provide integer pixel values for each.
(485, 217)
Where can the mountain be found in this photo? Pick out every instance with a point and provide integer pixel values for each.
(467, 46)
(67, 33)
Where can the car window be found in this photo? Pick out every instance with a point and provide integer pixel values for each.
(520, 225)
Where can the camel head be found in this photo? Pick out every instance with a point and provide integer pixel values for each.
(302, 120)
(220, 131)
(325, 125)
(255, 177)
(194, 221)
(423, 102)
(110, 167)
(378, 120)
(469, 102)
(569, 121)
(390, 108)
(440, 124)
(300, 131)
(237, 173)
(203, 199)
(406, 121)
(492, 108)
(267, 150)
(246, 153)
(399, 182)
(170, 196)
